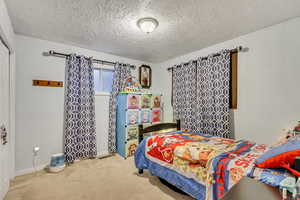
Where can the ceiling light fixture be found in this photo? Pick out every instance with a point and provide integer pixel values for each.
(147, 24)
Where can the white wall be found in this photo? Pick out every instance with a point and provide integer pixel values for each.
(7, 35)
(267, 91)
(39, 110)
(6, 30)
(268, 80)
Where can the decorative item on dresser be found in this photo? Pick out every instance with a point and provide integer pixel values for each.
(134, 109)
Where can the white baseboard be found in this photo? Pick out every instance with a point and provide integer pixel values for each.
(40, 167)
(30, 170)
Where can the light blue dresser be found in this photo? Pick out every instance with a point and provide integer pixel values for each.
(134, 109)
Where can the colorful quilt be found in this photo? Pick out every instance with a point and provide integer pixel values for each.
(216, 163)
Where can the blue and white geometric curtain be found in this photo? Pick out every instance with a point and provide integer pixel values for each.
(184, 94)
(201, 95)
(121, 73)
(79, 127)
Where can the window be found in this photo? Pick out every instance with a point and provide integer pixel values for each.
(103, 80)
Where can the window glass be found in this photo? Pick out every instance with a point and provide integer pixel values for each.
(103, 79)
(107, 80)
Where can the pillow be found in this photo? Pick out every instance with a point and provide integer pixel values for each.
(282, 156)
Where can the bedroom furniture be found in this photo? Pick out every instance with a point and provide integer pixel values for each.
(181, 158)
(156, 129)
(135, 109)
(249, 189)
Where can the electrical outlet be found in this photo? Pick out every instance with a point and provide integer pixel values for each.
(36, 150)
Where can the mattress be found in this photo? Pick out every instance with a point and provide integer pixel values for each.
(202, 166)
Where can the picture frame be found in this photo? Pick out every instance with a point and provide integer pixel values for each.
(145, 76)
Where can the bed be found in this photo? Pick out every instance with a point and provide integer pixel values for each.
(202, 166)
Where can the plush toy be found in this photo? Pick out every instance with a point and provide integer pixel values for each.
(131, 85)
(297, 128)
(288, 134)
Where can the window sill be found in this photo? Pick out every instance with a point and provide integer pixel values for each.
(102, 94)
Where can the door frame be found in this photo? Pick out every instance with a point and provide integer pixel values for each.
(12, 91)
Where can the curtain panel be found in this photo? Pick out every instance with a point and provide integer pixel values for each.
(201, 95)
(184, 95)
(122, 72)
(79, 123)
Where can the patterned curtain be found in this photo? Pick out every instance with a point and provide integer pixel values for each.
(79, 127)
(213, 78)
(122, 72)
(184, 95)
(201, 95)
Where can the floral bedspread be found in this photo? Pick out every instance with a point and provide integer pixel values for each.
(217, 163)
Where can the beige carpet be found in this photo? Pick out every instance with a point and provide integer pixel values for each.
(109, 179)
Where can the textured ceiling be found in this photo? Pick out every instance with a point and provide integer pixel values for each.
(110, 25)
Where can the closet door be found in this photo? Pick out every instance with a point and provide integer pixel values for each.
(4, 119)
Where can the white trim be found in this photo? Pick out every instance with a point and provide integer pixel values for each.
(104, 67)
(7, 36)
(12, 109)
(102, 94)
(30, 170)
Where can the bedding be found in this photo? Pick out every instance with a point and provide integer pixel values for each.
(281, 156)
(271, 177)
(204, 167)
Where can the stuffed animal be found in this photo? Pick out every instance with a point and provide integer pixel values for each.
(131, 85)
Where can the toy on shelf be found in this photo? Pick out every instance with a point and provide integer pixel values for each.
(131, 85)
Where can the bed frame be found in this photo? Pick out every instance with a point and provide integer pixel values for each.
(154, 128)
(160, 127)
